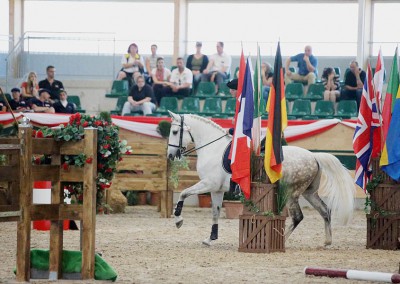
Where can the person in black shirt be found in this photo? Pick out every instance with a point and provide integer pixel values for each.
(63, 106)
(42, 104)
(140, 97)
(353, 84)
(17, 103)
(51, 84)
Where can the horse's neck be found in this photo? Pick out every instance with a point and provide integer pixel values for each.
(203, 132)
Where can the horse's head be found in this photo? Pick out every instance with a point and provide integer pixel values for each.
(179, 136)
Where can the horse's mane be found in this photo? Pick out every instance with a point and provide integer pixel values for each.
(207, 121)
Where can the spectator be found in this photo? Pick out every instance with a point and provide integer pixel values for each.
(132, 64)
(3, 107)
(30, 88)
(160, 76)
(181, 80)
(197, 63)
(50, 84)
(140, 98)
(63, 106)
(17, 103)
(331, 84)
(218, 68)
(307, 68)
(151, 61)
(42, 104)
(353, 83)
(266, 75)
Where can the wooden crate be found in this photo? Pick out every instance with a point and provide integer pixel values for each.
(386, 197)
(376, 170)
(383, 232)
(261, 234)
(264, 197)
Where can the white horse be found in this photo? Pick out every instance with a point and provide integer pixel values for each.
(302, 171)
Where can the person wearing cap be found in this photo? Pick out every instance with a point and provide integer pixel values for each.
(197, 63)
(42, 104)
(132, 64)
(63, 106)
(218, 68)
(51, 84)
(17, 103)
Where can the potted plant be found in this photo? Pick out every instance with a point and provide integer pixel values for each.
(204, 200)
(233, 205)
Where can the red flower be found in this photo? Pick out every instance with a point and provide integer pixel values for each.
(33, 133)
(120, 159)
(107, 146)
(89, 160)
(85, 124)
(37, 161)
(107, 137)
(100, 166)
(39, 134)
(102, 186)
(98, 123)
(109, 170)
(78, 122)
(128, 152)
(65, 166)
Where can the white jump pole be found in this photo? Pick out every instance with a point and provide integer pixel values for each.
(353, 274)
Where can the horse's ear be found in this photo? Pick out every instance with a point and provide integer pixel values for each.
(173, 115)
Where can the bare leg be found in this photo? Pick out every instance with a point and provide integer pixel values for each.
(121, 75)
(216, 210)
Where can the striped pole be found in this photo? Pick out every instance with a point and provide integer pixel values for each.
(353, 274)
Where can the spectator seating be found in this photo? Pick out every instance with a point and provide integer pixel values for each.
(294, 91)
(301, 108)
(120, 104)
(205, 89)
(223, 90)
(190, 105)
(166, 104)
(337, 71)
(323, 109)
(119, 88)
(230, 106)
(212, 106)
(347, 109)
(77, 102)
(315, 92)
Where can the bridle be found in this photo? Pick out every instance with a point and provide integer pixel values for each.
(182, 150)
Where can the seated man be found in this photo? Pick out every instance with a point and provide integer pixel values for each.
(307, 64)
(218, 68)
(17, 103)
(42, 104)
(140, 98)
(353, 83)
(180, 82)
(63, 106)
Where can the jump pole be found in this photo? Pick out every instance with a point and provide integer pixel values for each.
(353, 274)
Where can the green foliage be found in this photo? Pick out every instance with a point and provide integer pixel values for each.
(282, 196)
(132, 198)
(164, 128)
(231, 196)
(175, 166)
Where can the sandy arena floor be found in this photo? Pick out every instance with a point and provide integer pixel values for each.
(144, 248)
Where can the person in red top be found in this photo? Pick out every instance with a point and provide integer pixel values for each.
(30, 88)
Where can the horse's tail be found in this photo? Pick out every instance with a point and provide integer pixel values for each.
(338, 185)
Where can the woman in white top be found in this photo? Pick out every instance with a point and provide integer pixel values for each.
(132, 63)
(160, 76)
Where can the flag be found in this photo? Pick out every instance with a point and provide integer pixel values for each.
(240, 162)
(277, 122)
(242, 69)
(378, 79)
(391, 91)
(363, 139)
(258, 106)
(390, 161)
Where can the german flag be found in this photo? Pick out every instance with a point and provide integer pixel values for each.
(277, 122)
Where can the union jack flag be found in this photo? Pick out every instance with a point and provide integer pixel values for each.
(364, 138)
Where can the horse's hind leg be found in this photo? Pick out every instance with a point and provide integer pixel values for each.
(216, 210)
(295, 213)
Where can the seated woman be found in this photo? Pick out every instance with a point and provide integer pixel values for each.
(266, 75)
(160, 77)
(331, 84)
(132, 64)
(30, 88)
(197, 63)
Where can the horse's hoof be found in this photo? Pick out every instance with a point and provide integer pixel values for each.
(178, 221)
(207, 242)
(327, 243)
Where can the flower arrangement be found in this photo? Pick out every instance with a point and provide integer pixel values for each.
(109, 150)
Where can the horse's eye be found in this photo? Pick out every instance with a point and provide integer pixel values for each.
(175, 132)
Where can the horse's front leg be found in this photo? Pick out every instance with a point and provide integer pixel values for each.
(217, 198)
(202, 186)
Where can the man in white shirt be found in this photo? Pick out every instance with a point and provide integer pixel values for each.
(180, 82)
(218, 68)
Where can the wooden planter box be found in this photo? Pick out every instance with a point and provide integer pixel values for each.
(261, 234)
(263, 196)
(383, 232)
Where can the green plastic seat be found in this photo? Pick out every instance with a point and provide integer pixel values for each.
(212, 106)
(324, 109)
(230, 107)
(337, 71)
(347, 109)
(190, 105)
(294, 91)
(315, 92)
(119, 88)
(206, 89)
(120, 104)
(77, 101)
(301, 108)
(166, 104)
(223, 90)
(236, 72)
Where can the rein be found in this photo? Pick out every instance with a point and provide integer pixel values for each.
(182, 150)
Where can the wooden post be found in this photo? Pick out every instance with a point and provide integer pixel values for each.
(88, 229)
(24, 225)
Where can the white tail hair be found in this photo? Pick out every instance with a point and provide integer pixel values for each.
(338, 185)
